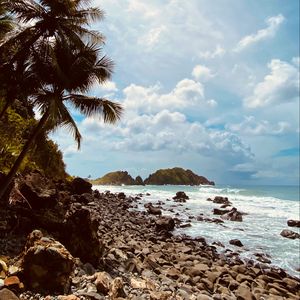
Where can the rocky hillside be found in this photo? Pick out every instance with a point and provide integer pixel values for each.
(176, 176)
(118, 178)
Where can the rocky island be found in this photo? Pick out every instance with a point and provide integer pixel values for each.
(118, 178)
(174, 176)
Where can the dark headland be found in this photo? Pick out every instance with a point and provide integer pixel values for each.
(174, 176)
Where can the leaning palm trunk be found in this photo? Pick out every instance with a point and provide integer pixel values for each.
(4, 109)
(19, 160)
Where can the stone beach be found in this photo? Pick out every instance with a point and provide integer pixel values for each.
(68, 242)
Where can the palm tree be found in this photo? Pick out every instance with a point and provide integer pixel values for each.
(5, 21)
(64, 74)
(46, 20)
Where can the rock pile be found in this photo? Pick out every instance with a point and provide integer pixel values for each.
(136, 257)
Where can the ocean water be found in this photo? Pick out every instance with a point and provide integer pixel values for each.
(268, 208)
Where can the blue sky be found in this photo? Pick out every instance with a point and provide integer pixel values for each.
(208, 85)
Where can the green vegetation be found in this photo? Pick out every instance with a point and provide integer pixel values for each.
(176, 176)
(117, 178)
(49, 63)
(15, 127)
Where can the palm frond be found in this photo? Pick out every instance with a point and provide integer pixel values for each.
(92, 106)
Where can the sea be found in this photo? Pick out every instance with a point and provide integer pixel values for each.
(267, 207)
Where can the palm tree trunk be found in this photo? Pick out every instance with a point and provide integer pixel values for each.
(4, 109)
(9, 177)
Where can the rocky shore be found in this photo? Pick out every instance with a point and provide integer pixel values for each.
(64, 241)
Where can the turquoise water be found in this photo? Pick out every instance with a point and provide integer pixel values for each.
(268, 208)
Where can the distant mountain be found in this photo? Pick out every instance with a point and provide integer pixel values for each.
(176, 176)
(118, 178)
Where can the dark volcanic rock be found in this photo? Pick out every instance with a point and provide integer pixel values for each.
(165, 223)
(81, 186)
(217, 211)
(38, 191)
(236, 242)
(233, 215)
(152, 209)
(47, 264)
(293, 223)
(290, 234)
(180, 197)
(221, 200)
(80, 236)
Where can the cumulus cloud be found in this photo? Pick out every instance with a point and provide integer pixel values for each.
(152, 37)
(217, 52)
(280, 86)
(273, 24)
(250, 126)
(187, 94)
(170, 131)
(202, 73)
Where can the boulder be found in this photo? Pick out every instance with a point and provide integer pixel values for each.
(47, 264)
(38, 191)
(233, 215)
(121, 196)
(80, 236)
(152, 209)
(6, 294)
(221, 200)
(293, 223)
(290, 234)
(165, 223)
(236, 242)
(217, 211)
(81, 186)
(116, 289)
(180, 197)
(103, 281)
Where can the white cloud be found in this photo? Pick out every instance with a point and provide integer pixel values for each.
(280, 86)
(152, 37)
(262, 34)
(169, 131)
(186, 95)
(202, 73)
(143, 9)
(250, 126)
(296, 61)
(218, 52)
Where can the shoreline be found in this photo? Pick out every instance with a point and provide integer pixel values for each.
(152, 263)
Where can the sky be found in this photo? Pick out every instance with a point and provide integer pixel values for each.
(211, 86)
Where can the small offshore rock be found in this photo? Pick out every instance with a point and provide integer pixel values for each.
(236, 242)
(81, 186)
(290, 234)
(293, 223)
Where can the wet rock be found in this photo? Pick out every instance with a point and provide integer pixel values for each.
(6, 294)
(233, 215)
(152, 209)
(293, 223)
(165, 223)
(221, 200)
(121, 195)
(80, 186)
(217, 211)
(290, 234)
(236, 242)
(81, 238)
(47, 264)
(180, 197)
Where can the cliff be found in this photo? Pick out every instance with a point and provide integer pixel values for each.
(176, 176)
